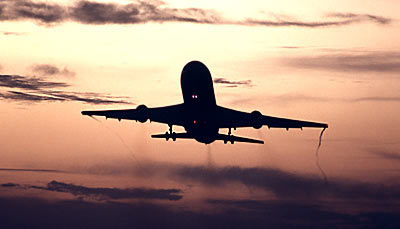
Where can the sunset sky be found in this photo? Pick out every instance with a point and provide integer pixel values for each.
(336, 62)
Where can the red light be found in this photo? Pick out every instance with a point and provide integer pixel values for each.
(194, 121)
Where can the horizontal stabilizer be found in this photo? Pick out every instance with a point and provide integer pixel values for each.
(173, 136)
(231, 138)
(221, 137)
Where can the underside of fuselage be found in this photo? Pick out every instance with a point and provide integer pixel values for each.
(199, 102)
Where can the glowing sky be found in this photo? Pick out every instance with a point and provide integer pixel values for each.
(328, 61)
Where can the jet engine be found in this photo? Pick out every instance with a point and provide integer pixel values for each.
(142, 113)
(256, 117)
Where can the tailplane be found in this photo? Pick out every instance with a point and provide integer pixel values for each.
(232, 139)
(222, 137)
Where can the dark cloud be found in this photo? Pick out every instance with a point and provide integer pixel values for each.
(59, 96)
(12, 33)
(26, 97)
(30, 83)
(91, 12)
(305, 215)
(315, 205)
(9, 185)
(341, 19)
(383, 62)
(285, 209)
(293, 98)
(290, 47)
(376, 99)
(38, 213)
(50, 70)
(38, 89)
(289, 186)
(232, 83)
(104, 193)
(103, 13)
(33, 170)
(43, 12)
(306, 98)
(25, 212)
(358, 17)
(386, 154)
(112, 193)
(286, 23)
(91, 98)
(284, 185)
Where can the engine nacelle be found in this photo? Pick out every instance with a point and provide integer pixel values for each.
(142, 113)
(256, 118)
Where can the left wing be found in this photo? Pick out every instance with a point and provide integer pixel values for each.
(229, 118)
(172, 115)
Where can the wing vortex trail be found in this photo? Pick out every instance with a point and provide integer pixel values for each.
(210, 161)
(120, 138)
(317, 157)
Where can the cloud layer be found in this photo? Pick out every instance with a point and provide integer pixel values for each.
(35, 89)
(386, 154)
(98, 13)
(104, 193)
(6, 33)
(340, 19)
(230, 83)
(51, 70)
(290, 186)
(282, 184)
(374, 62)
(300, 201)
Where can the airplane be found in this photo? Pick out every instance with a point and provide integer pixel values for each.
(200, 115)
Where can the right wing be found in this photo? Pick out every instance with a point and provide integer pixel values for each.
(229, 118)
(172, 115)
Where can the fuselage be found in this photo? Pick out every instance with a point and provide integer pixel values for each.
(199, 101)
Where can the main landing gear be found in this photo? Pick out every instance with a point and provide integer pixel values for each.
(229, 137)
(170, 134)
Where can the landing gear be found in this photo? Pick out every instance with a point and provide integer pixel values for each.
(170, 134)
(229, 137)
(230, 140)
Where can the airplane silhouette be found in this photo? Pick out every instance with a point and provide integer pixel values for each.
(200, 115)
